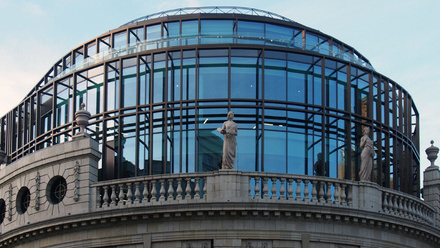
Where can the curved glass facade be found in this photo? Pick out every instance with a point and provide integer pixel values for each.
(158, 89)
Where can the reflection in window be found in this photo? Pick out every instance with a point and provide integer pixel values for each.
(275, 79)
(245, 79)
(128, 86)
(250, 32)
(216, 31)
(213, 77)
(112, 86)
(190, 30)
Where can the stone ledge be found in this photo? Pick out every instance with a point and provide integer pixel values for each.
(223, 211)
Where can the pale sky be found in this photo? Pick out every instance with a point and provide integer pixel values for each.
(401, 38)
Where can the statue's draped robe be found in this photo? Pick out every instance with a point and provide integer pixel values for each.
(366, 158)
(229, 144)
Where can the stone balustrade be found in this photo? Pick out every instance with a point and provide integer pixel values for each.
(173, 188)
(253, 187)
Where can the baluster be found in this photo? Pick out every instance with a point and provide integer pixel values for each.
(113, 196)
(106, 199)
(399, 205)
(321, 192)
(290, 189)
(344, 195)
(153, 191)
(314, 191)
(162, 190)
(170, 190)
(130, 193)
(265, 188)
(336, 194)
(298, 190)
(274, 189)
(329, 193)
(145, 193)
(349, 195)
(98, 198)
(137, 193)
(197, 189)
(204, 187)
(306, 191)
(188, 189)
(257, 188)
(411, 209)
(395, 205)
(121, 194)
(404, 207)
(179, 189)
(385, 203)
(282, 189)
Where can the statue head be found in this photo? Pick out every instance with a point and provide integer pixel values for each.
(366, 130)
(230, 115)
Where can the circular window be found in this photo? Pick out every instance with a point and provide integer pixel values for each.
(56, 189)
(23, 200)
(2, 210)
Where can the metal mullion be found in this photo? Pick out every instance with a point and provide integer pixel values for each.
(180, 105)
(400, 101)
(150, 112)
(262, 106)
(324, 138)
(137, 140)
(165, 114)
(347, 109)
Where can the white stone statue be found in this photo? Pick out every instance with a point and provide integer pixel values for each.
(229, 130)
(366, 156)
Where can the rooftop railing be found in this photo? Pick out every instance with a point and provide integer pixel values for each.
(162, 43)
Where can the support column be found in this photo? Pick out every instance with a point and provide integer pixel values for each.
(431, 181)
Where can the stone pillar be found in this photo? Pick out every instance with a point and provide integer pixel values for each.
(431, 181)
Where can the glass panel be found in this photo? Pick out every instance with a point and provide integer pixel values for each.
(245, 79)
(359, 91)
(111, 150)
(278, 35)
(275, 151)
(275, 80)
(210, 142)
(159, 81)
(144, 79)
(120, 40)
(64, 102)
(144, 144)
(112, 86)
(91, 49)
(95, 92)
(136, 36)
(296, 142)
(128, 147)
(153, 34)
(104, 44)
(213, 78)
(336, 84)
(190, 32)
(174, 82)
(216, 31)
(128, 86)
(159, 137)
(172, 33)
(188, 79)
(250, 32)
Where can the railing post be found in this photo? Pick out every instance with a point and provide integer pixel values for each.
(257, 188)
(274, 188)
(145, 193)
(179, 189)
